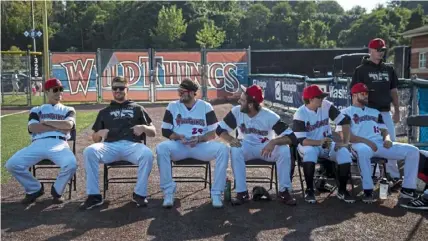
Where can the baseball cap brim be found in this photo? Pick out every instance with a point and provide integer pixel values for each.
(324, 94)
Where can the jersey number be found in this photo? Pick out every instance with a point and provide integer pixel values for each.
(196, 130)
(264, 139)
(376, 129)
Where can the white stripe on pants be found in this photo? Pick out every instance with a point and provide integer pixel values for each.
(56, 150)
(281, 155)
(205, 151)
(391, 166)
(108, 152)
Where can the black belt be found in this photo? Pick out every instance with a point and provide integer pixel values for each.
(53, 137)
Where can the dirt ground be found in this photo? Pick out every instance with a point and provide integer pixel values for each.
(194, 218)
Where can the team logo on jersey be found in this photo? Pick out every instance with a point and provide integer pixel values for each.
(251, 130)
(122, 114)
(51, 116)
(317, 124)
(194, 122)
(357, 119)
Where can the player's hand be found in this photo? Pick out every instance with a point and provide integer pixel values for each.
(373, 146)
(138, 129)
(326, 142)
(235, 143)
(193, 141)
(387, 144)
(268, 149)
(342, 145)
(103, 134)
(396, 116)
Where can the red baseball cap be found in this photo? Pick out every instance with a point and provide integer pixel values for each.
(256, 93)
(359, 88)
(313, 91)
(51, 83)
(377, 43)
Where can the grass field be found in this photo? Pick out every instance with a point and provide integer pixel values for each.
(14, 134)
(21, 99)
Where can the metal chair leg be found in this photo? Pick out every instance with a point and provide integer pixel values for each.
(209, 173)
(272, 169)
(74, 182)
(301, 179)
(105, 180)
(276, 178)
(70, 184)
(206, 175)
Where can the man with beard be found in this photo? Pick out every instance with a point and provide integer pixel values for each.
(189, 125)
(117, 135)
(49, 126)
(382, 79)
(264, 136)
(312, 128)
(370, 138)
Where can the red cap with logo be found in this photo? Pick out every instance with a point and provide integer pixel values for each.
(313, 91)
(51, 83)
(377, 43)
(359, 88)
(256, 93)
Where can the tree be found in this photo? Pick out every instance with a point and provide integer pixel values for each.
(210, 36)
(170, 28)
(416, 19)
(330, 7)
(253, 26)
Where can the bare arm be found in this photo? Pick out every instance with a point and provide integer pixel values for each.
(207, 137)
(37, 128)
(96, 137)
(310, 142)
(282, 140)
(59, 124)
(346, 134)
(385, 134)
(150, 130)
(395, 100)
(227, 137)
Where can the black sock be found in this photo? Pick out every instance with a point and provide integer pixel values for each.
(343, 175)
(309, 171)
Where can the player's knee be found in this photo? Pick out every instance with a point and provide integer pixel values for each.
(236, 152)
(147, 155)
(284, 151)
(310, 155)
(343, 156)
(162, 147)
(71, 165)
(89, 152)
(222, 148)
(10, 165)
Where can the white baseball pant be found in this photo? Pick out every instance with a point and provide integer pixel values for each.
(409, 153)
(205, 151)
(281, 155)
(312, 153)
(108, 152)
(391, 166)
(56, 150)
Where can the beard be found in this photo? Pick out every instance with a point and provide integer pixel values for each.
(119, 97)
(245, 109)
(363, 101)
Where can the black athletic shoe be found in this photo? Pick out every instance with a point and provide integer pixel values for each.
(408, 193)
(368, 197)
(345, 196)
(141, 201)
(56, 198)
(241, 198)
(92, 201)
(310, 196)
(30, 198)
(419, 203)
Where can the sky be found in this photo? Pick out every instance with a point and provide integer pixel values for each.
(367, 4)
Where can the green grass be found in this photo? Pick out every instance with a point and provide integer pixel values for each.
(14, 135)
(21, 100)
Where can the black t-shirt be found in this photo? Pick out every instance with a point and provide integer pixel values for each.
(119, 118)
(380, 78)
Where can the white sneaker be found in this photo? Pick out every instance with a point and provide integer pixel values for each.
(216, 201)
(168, 200)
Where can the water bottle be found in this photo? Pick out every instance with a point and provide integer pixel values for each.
(228, 190)
(383, 190)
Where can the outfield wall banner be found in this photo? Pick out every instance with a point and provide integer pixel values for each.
(77, 73)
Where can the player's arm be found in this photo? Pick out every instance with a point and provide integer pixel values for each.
(227, 125)
(147, 124)
(168, 126)
(98, 125)
(34, 125)
(343, 120)
(300, 131)
(285, 135)
(212, 123)
(67, 124)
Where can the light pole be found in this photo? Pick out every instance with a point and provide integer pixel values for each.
(32, 18)
(47, 72)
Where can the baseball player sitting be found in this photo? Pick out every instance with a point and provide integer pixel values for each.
(313, 131)
(117, 136)
(265, 137)
(370, 138)
(49, 126)
(190, 126)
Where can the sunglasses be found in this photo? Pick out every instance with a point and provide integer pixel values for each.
(381, 50)
(121, 88)
(55, 90)
(183, 91)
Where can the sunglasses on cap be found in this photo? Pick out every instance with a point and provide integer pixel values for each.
(56, 89)
(121, 88)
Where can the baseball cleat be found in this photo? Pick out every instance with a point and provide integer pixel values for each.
(368, 197)
(57, 198)
(310, 196)
(92, 201)
(419, 203)
(30, 198)
(408, 193)
(241, 198)
(216, 201)
(345, 196)
(141, 201)
(168, 200)
(286, 198)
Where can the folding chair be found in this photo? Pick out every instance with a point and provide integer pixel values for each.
(48, 164)
(121, 164)
(193, 163)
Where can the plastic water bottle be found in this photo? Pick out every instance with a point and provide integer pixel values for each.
(383, 190)
(228, 190)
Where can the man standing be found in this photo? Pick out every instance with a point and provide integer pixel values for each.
(117, 136)
(265, 136)
(312, 128)
(49, 126)
(15, 82)
(369, 138)
(383, 80)
(190, 124)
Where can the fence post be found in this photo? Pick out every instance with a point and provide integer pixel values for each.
(203, 71)
(152, 62)
(348, 82)
(415, 110)
(29, 78)
(98, 78)
(249, 61)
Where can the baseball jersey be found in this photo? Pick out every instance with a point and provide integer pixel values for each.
(365, 122)
(51, 112)
(264, 126)
(315, 125)
(195, 121)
